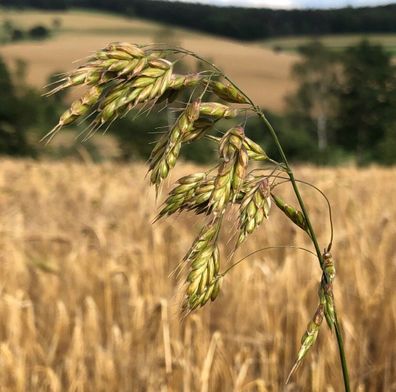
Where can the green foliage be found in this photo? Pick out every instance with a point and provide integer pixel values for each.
(346, 102)
(11, 33)
(39, 32)
(23, 113)
(312, 105)
(366, 111)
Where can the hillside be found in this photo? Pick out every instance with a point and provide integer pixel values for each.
(261, 72)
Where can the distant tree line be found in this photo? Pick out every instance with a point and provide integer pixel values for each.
(9, 32)
(239, 23)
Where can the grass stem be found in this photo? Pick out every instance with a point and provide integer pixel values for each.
(313, 237)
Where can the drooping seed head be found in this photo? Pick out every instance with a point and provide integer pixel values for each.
(77, 110)
(231, 171)
(327, 299)
(131, 49)
(200, 128)
(178, 82)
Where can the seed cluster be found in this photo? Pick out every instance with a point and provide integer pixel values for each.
(309, 338)
(326, 309)
(123, 76)
(165, 153)
(203, 281)
(292, 213)
(232, 169)
(255, 206)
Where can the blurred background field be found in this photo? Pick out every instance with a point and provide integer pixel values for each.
(88, 300)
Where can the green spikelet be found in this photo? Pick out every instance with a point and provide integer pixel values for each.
(294, 215)
(182, 195)
(232, 169)
(255, 152)
(203, 280)
(255, 206)
(78, 109)
(165, 153)
(309, 338)
(217, 110)
(227, 92)
(328, 267)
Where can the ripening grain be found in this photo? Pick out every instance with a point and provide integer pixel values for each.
(87, 303)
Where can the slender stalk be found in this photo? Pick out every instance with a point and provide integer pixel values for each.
(313, 237)
(290, 173)
(340, 342)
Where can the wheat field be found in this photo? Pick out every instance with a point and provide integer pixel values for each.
(88, 301)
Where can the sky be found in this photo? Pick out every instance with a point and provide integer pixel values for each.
(285, 4)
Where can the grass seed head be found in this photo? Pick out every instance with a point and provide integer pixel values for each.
(218, 110)
(255, 206)
(164, 155)
(179, 82)
(293, 214)
(231, 171)
(204, 260)
(227, 92)
(329, 309)
(255, 152)
(328, 266)
(309, 338)
(182, 195)
(200, 128)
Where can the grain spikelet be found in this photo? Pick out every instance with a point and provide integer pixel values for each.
(293, 214)
(165, 153)
(255, 206)
(232, 169)
(203, 280)
(309, 338)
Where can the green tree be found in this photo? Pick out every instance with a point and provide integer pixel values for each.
(366, 115)
(13, 139)
(313, 104)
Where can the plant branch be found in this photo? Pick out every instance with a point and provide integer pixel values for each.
(289, 171)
